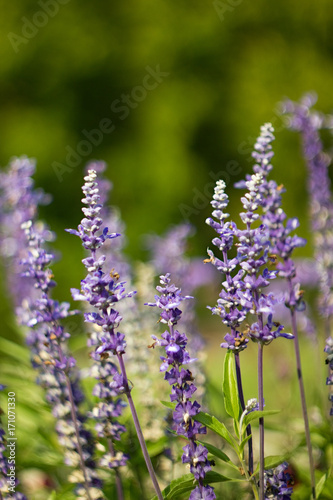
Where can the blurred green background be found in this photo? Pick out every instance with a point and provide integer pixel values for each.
(66, 66)
(228, 66)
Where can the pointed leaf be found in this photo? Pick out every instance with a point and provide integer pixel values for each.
(320, 485)
(179, 486)
(187, 483)
(172, 406)
(216, 452)
(214, 477)
(272, 461)
(16, 351)
(258, 414)
(53, 496)
(243, 443)
(216, 426)
(230, 389)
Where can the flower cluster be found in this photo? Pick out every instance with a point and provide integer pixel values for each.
(102, 291)
(274, 217)
(277, 483)
(241, 293)
(19, 200)
(169, 256)
(230, 306)
(182, 382)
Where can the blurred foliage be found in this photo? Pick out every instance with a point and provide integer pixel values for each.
(227, 70)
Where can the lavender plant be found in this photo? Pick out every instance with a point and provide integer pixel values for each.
(282, 245)
(242, 293)
(56, 367)
(182, 382)
(253, 252)
(102, 292)
(308, 122)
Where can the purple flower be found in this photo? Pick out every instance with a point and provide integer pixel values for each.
(202, 493)
(277, 483)
(181, 379)
(99, 289)
(57, 372)
(19, 201)
(196, 456)
(232, 306)
(102, 291)
(308, 122)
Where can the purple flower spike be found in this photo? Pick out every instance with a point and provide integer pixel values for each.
(57, 370)
(99, 289)
(102, 291)
(276, 483)
(308, 122)
(233, 304)
(204, 493)
(182, 382)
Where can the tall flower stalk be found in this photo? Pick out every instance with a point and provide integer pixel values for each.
(102, 291)
(230, 306)
(168, 254)
(253, 250)
(243, 294)
(282, 246)
(308, 122)
(183, 386)
(57, 366)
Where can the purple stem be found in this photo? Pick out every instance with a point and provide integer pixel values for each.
(76, 427)
(302, 393)
(138, 429)
(119, 486)
(261, 420)
(242, 402)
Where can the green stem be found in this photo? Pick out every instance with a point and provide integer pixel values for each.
(261, 421)
(250, 479)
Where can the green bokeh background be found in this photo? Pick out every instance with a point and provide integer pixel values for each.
(229, 63)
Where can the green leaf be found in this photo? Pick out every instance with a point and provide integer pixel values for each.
(320, 485)
(172, 406)
(214, 477)
(243, 443)
(216, 426)
(230, 389)
(53, 496)
(179, 486)
(258, 414)
(272, 461)
(187, 483)
(216, 452)
(16, 351)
